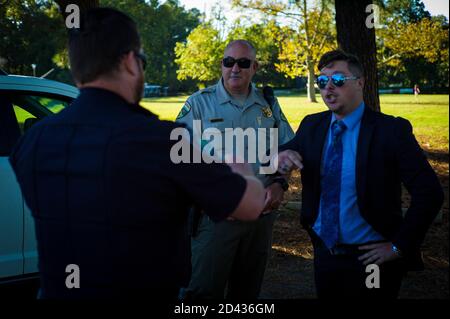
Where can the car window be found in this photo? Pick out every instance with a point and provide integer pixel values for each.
(19, 111)
(9, 127)
(35, 107)
(21, 116)
(52, 104)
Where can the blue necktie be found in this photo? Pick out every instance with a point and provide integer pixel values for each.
(331, 187)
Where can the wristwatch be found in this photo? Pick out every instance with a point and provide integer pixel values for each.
(284, 184)
(397, 251)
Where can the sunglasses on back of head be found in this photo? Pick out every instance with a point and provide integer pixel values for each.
(243, 63)
(337, 79)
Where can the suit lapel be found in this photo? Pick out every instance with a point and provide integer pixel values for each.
(317, 151)
(362, 155)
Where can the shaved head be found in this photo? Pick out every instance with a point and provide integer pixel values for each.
(241, 43)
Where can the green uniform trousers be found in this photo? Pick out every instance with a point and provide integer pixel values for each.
(229, 258)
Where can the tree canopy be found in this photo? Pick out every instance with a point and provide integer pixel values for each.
(184, 49)
(199, 58)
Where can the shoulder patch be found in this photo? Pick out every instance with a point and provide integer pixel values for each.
(184, 111)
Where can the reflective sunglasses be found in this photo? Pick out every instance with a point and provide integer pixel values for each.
(142, 57)
(337, 79)
(243, 63)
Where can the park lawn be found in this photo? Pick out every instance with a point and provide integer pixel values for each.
(429, 117)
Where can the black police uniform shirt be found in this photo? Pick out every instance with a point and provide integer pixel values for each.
(106, 197)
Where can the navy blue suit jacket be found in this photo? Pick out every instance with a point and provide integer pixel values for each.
(388, 156)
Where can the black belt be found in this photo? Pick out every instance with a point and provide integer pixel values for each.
(353, 249)
(343, 249)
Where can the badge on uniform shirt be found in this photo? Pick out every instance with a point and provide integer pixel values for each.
(184, 111)
(266, 111)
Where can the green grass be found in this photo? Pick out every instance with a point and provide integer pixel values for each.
(429, 117)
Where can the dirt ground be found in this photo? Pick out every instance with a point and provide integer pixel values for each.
(290, 272)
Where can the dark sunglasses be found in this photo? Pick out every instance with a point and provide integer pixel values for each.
(142, 57)
(337, 79)
(243, 63)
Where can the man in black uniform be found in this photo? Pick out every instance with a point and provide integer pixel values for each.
(100, 182)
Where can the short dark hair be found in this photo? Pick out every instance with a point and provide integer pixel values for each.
(353, 62)
(104, 36)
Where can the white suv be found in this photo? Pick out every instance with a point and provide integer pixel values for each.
(23, 101)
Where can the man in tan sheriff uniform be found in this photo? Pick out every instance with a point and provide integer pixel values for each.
(229, 258)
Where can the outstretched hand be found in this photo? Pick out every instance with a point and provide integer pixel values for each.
(289, 160)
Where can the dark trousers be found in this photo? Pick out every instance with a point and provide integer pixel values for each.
(229, 258)
(342, 275)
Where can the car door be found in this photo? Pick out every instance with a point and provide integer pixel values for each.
(17, 234)
(36, 108)
(11, 226)
(11, 202)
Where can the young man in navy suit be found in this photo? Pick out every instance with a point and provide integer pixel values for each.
(354, 163)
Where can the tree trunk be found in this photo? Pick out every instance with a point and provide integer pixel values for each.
(355, 37)
(310, 86)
